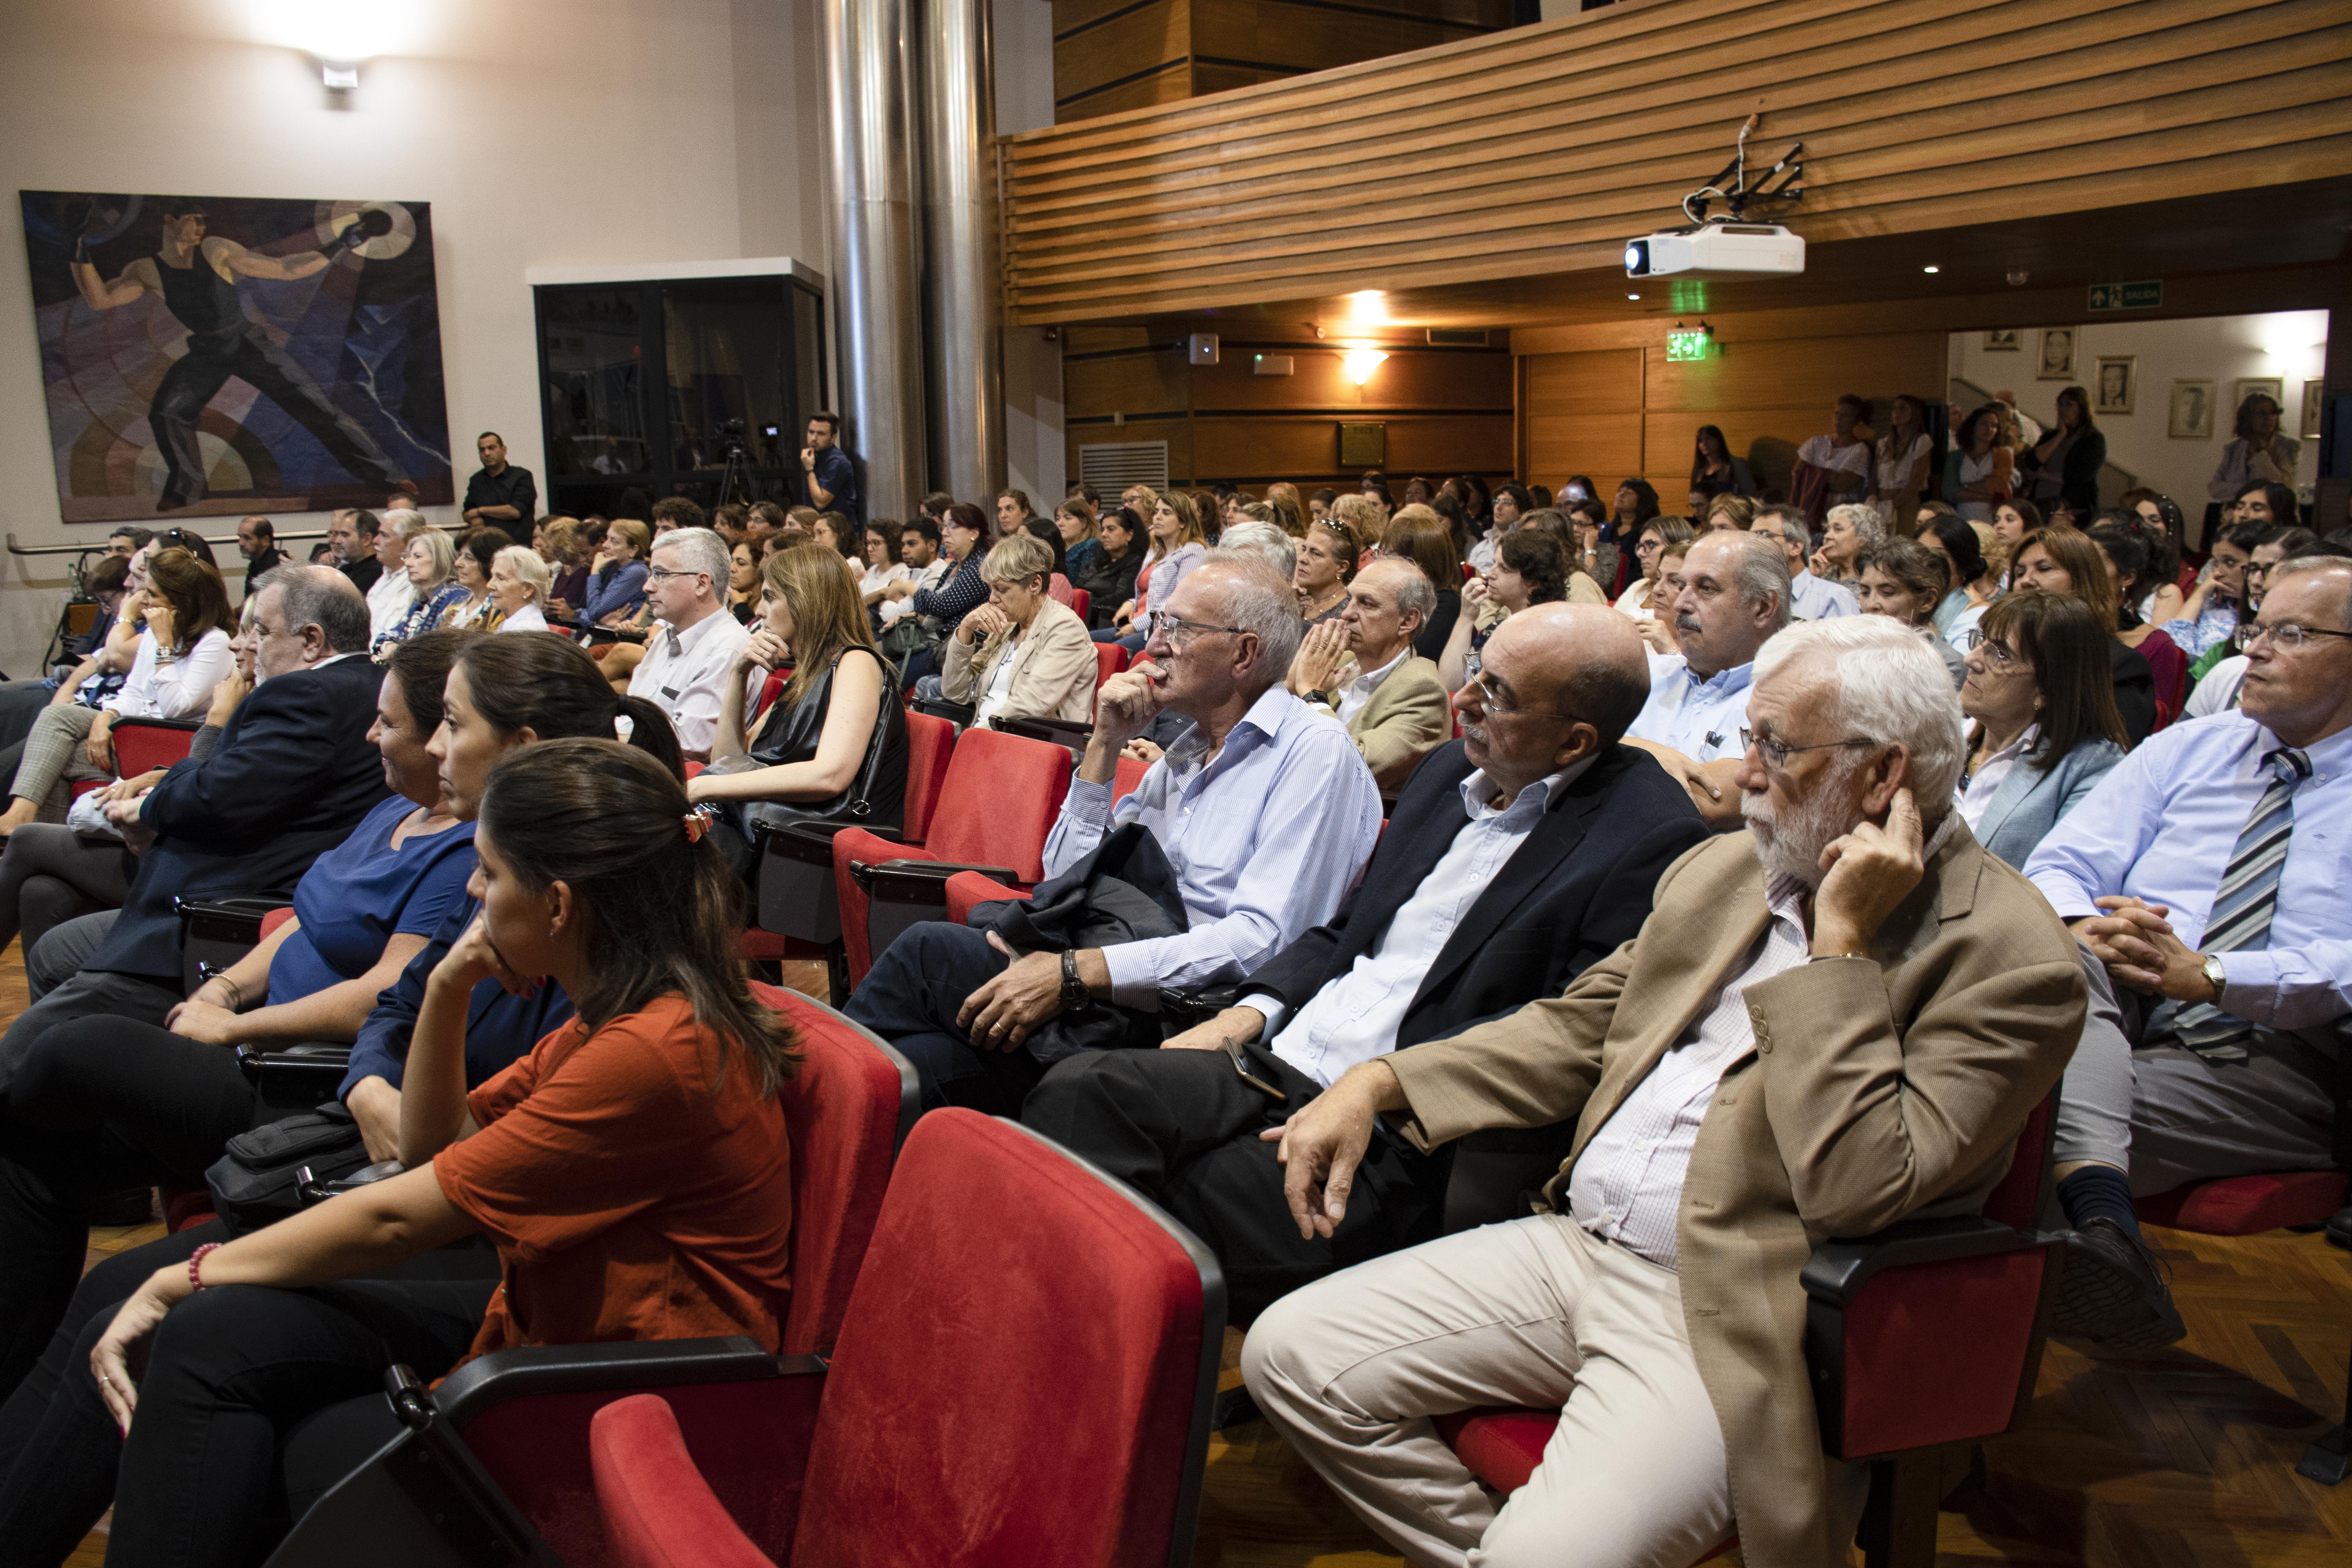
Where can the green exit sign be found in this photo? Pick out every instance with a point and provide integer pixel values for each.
(1687, 345)
(2144, 295)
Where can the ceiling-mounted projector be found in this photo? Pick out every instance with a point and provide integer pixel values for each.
(1715, 250)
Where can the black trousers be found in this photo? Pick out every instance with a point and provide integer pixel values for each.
(253, 1402)
(1182, 1128)
(100, 1105)
(910, 998)
(243, 352)
(49, 874)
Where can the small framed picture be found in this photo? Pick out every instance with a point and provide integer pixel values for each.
(2116, 385)
(2271, 386)
(2192, 411)
(2313, 392)
(2001, 342)
(2057, 355)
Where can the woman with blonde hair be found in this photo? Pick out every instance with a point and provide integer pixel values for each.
(833, 746)
(519, 585)
(1074, 519)
(430, 561)
(1289, 509)
(560, 544)
(1023, 654)
(618, 588)
(1178, 543)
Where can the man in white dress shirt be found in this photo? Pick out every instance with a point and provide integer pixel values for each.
(1833, 1023)
(1735, 596)
(2206, 872)
(690, 657)
(1809, 598)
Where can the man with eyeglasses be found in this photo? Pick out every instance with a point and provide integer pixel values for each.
(1832, 1023)
(1734, 598)
(1517, 857)
(2216, 690)
(690, 655)
(1262, 811)
(2206, 873)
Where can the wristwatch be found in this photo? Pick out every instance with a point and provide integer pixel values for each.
(2215, 975)
(1316, 695)
(1076, 997)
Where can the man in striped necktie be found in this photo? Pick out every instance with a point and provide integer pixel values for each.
(2206, 876)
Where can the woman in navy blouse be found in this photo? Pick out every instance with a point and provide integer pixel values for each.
(618, 587)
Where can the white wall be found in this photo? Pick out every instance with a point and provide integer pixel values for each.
(1033, 451)
(544, 132)
(2290, 344)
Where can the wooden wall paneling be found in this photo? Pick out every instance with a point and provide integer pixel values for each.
(1603, 381)
(1670, 437)
(1790, 376)
(1124, 44)
(1426, 380)
(1594, 444)
(1261, 447)
(1311, 36)
(1136, 384)
(1105, 339)
(1171, 83)
(1223, 76)
(1177, 433)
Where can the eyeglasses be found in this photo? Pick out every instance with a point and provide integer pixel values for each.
(2286, 636)
(656, 573)
(1775, 754)
(1500, 707)
(1178, 633)
(1996, 653)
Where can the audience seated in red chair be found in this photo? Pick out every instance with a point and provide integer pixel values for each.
(1263, 809)
(294, 774)
(1022, 654)
(1798, 1054)
(630, 1172)
(1362, 670)
(183, 652)
(2206, 872)
(691, 656)
(1517, 857)
(833, 744)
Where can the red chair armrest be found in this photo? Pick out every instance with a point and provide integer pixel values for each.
(659, 1511)
(968, 888)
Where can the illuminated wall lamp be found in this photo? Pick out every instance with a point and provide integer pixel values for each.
(1360, 364)
(340, 76)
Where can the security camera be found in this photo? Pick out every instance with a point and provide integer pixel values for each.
(1715, 250)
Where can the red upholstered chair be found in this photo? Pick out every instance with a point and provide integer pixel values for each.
(1127, 777)
(142, 745)
(1008, 1287)
(1109, 659)
(1080, 602)
(2247, 1205)
(1058, 589)
(1921, 1339)
(997, 807)
(525, 1414)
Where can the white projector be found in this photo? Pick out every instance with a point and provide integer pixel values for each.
(1715, 250)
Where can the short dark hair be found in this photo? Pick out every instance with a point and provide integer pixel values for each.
(963, 514)
(1960, 543)
(1326, 495)
(365, 522)
(826, 417)
(1517, 492)
(936, 504)
(683, 511)
(108, 574)
(1539, 560)
(2285, 511)
(262, 527)
(490, 435)
(138, 536)
(484, 544)
(2060, 635)
(926, 526)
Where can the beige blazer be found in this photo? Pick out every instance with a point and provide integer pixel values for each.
(1053, 667)
(1406, 719)
(1877, 1090)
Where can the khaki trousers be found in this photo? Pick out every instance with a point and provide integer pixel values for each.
(1535, 1312)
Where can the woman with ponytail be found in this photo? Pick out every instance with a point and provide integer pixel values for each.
(632, 1172)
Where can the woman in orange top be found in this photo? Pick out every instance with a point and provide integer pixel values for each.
(632, 1172)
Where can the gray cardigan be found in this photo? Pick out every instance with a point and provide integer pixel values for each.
(2029, 801)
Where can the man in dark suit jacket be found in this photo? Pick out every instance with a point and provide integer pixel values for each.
(1516, 857)
(293, 775)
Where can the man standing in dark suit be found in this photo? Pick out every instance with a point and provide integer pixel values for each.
(1516, 857)
(293, 775)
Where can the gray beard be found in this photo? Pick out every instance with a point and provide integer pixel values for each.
(1793, 847)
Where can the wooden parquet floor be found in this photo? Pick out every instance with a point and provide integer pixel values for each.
(2183, 1457)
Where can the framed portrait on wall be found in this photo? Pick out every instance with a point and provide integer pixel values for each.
(2003, 340)
(2271, 386)
(2057, 362)
(2192, 411)
(2313, 392)
(2116, 385)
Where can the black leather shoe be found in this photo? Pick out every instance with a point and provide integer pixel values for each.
(2339, 1226)
(2113, 1292)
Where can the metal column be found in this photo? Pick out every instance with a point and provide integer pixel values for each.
(870, 85)
(963, 296)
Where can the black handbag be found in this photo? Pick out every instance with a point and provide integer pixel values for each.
(872, 799)
(258, 1180)
(424, 1500)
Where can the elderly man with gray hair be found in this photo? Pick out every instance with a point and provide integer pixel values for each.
(690, 655)
(1835, 1021)
(1810, 598)
(1735, 596)
(1262, 814)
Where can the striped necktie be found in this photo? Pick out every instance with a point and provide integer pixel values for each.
(2242, 911)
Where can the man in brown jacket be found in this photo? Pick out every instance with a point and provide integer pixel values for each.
(1835, 1021)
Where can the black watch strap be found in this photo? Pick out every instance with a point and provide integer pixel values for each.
(1076, 997)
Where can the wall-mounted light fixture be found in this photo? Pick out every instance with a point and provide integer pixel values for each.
(1360, 364)
(340, 76)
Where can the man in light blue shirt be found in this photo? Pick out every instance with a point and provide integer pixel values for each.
(1264, 809)
(1810, 598)
(2206, 873)
(1735, 595)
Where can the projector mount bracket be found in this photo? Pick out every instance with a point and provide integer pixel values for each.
(1732, 187)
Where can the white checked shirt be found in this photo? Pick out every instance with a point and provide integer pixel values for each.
(685, 673)
(1356, 1017)
(1627, 1186)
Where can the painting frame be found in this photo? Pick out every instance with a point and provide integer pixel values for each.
(2002, 341)
(2115, 384)
(2066, 342)
(2190, 409)
(2314, 396)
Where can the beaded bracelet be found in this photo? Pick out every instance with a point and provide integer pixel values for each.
(195, 1261)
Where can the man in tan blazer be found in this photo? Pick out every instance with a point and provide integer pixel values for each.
(1834, 1021)
(1361, 668)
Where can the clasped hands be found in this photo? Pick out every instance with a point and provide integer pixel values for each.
(2135, 941)
(1320, 653)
